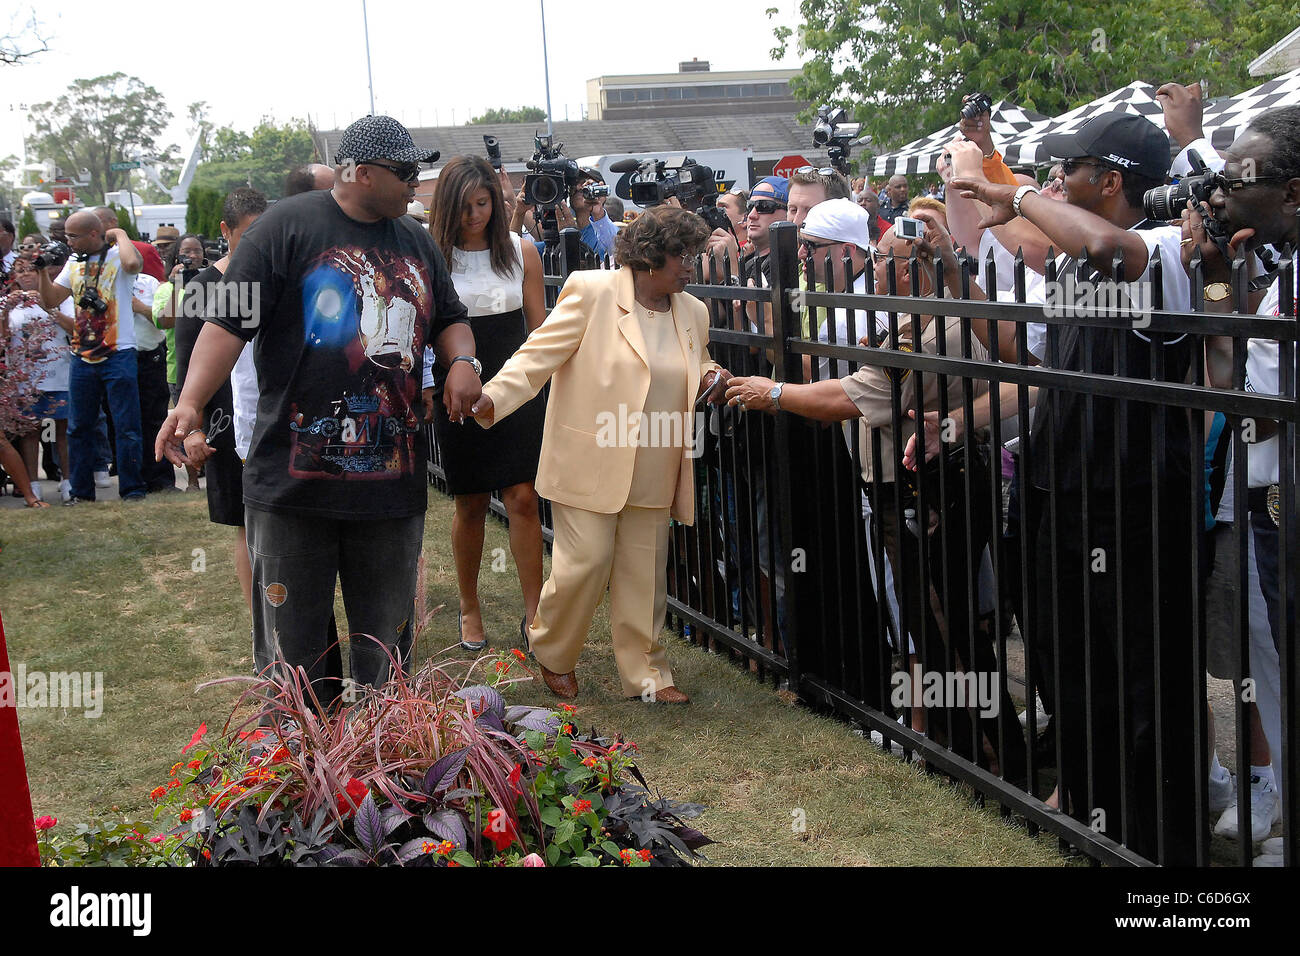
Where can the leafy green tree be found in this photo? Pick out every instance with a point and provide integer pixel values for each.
(527, 114)
(905, 64)
(203, 210)
(27, 224)
(124, 221)
(96, 123)
(260, 159)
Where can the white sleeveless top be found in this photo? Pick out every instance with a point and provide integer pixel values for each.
(482, 291)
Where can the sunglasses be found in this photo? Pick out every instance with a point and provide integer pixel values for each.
(819, 170)
(765, 207)
(1232, 184)
(1070, 165)
(406, 172)
(813, 245)
(30, 245)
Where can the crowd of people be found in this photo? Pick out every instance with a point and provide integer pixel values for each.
(302, 366)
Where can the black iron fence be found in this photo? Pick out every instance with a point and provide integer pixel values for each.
(1055, 555)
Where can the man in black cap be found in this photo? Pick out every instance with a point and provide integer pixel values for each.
(1120, 584)
(339, 291)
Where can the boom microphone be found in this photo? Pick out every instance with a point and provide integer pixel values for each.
(625, 166)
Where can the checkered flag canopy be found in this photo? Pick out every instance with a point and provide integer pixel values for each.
(1137, 98)
(1226, 119)
(1006, 121)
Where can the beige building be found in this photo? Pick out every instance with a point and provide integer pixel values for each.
(694, 90)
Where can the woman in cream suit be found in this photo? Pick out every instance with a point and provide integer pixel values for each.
(626, 353)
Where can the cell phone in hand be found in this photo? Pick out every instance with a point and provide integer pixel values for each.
(909, 229)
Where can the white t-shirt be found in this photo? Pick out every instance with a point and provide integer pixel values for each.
(147, 335)
(1262, 375)
(54, 377)
(243, 386)
(96, 336)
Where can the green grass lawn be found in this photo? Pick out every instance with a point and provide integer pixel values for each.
(113, 588)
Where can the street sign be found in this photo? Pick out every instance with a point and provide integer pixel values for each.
(788, 164)
(116, 167)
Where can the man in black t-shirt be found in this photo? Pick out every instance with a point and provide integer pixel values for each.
(339, 292)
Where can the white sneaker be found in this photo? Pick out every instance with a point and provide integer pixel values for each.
(878, 739)
(1223, 793)
(1042, 716)
(1272, 846)
(65, 490)
(1265, 810)
(102, 479)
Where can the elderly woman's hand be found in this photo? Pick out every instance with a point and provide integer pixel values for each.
(751, 393)
(714, 385)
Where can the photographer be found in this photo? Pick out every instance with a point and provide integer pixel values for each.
(598, 230)
(1254, 204)
(101, 281)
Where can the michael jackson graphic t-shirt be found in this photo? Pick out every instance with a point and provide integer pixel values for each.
(339, 312)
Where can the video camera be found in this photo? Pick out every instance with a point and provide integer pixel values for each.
(53, 253)
(694, 185)
(554, 174)
(830, 131)
(493, 147)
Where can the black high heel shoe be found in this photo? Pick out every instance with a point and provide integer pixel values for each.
(467, 645)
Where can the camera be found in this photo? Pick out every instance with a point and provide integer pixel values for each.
(594, 191)
(187, 262)
(493, 147)
(976, 104)
(1166, 203)
(91, 301)
(908, 228)
(53, 253)
(830, 131)
(694, 185)
(553, 174)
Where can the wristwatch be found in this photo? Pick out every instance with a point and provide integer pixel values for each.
(775, 394)
(474, 363)
(1217, 291)
(1020, 194)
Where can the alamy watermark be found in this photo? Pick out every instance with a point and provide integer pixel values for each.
(979, 690)
(1073, 298)
(636, 429)
(40, 689)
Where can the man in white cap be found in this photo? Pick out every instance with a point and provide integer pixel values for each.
(836, 237)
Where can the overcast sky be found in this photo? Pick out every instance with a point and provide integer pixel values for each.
(449, 58)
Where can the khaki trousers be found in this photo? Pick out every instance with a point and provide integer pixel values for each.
(627, 551)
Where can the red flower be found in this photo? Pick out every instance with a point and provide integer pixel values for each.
(357, 791)
(157, 793)
(194, 741)
(645, 855)
(253, 736)
(207, 854)
(44, 823)
(158, 838)
(581, 806)
(626, 855)
(500, 830)
(519, 655)
(566, 728)
(176, 768)
(590, 762)
(452, 863)
(173, 784)
(502, 666)
(195, 764)
(281, 753)
(187, 815)
(567, 708)
(513, 779)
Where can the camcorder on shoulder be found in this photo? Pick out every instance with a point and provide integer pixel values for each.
(831, 133)
(692, 184)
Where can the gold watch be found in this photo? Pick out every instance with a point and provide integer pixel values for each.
(1217, 291)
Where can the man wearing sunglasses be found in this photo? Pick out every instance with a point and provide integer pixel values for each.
(1108, 164)
(340, 291)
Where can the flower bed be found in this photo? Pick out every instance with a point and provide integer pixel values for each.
(429, 770)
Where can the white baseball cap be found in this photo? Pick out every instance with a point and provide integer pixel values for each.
(839, 220)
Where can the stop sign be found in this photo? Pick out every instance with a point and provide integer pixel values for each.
(788, 164)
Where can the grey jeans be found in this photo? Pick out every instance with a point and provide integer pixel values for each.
(296, 561)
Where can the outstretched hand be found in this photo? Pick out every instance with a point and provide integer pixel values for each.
(997, 196)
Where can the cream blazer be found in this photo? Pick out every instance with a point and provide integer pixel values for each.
(591, 349)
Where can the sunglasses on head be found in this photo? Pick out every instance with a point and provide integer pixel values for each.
(765, 206)
(406, 172)
(819, 170)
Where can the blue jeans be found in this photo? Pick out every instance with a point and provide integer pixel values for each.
(103, 452)
(87, 384)
(296, 560)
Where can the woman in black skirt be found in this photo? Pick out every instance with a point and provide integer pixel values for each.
(500, 281)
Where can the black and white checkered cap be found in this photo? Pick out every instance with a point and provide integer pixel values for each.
(381, 137)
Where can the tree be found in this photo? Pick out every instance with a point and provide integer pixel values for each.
(96, 123)
(203, 210)
(260, 159)
(527, 114)
(27, 224)
(905, 64)
(22, 39)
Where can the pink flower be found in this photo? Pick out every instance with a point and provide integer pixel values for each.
(532, 859)
(45, 823)
(194, 741)
(157, 838)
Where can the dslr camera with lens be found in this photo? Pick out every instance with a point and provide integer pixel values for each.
(91, 301)
(52, 253)
(976, 104)
(830, 131)
(1166, 203)
(553, 174)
